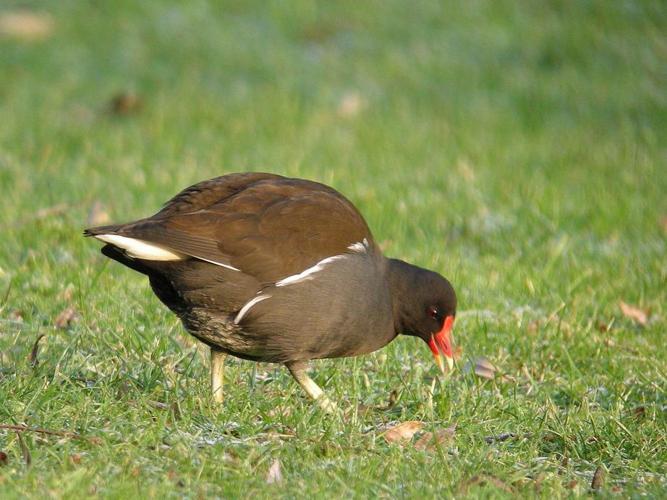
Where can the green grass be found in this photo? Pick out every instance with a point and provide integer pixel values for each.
(518, 149)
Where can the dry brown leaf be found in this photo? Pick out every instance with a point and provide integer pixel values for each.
(403, 431)
(274, 474)
(634, 313)
(66, 317)
(98, 215)
(598, 478)
(487, 479)
(484, 368)
(75, 458)
(25, 25)
(430, 441)
(4, 459)
(125, 103)
(639, 412)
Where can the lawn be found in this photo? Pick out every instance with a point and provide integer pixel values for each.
(518, 149)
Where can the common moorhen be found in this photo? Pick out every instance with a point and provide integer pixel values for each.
(281, 270)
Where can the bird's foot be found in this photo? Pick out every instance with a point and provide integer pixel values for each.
(298, 371)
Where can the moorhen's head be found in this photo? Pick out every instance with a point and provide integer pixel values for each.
(424, 307)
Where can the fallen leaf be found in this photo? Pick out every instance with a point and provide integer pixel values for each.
(75, 458)
(34, 362)
(484, 479)
(634, 313)
(4, 459)
(125, 103)
(66, 317)
(403, 431)
(26, 25)
(482, 368)
(598, 478)
(97, 215)
(274, 475)
(639, 412)
(430, 441)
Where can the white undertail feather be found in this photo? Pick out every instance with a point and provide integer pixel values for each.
(140, 249)
(307, 274)
(359, 246)
(244, 310)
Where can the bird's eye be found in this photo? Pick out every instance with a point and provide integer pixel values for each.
(433, 312)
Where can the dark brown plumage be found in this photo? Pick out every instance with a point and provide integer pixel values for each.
(274, 269)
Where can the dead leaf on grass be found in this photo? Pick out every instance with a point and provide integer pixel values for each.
(482, 368)
(598, 478)
(403, 431)
(430, 441)
(636, 314)
(274, 474)
(66, 318)
(125, 103)
(487, 479)
(639, 412)
(4, 459)
(25, 25)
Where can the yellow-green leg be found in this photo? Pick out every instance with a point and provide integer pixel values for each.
(217, 374)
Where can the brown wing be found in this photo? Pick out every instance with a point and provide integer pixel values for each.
(261, 224)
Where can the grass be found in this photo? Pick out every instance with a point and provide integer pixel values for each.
(517, 149)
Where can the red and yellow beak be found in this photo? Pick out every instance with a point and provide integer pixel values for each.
(441, 346)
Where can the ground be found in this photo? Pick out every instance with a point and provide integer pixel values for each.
(518, 149)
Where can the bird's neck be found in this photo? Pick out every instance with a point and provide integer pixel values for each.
(403, 282)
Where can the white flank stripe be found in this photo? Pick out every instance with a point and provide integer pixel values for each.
(248, 305)
(140, 249)
(307, 274)
(218, 263)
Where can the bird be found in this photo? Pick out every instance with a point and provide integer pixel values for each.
(274, 269)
